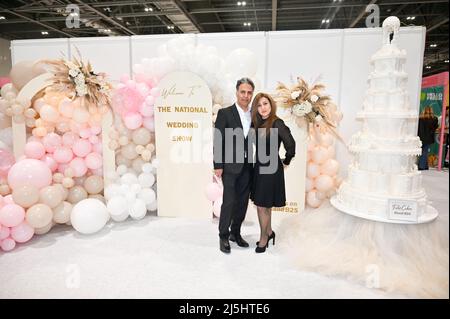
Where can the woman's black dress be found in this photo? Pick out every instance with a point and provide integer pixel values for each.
(268, 188)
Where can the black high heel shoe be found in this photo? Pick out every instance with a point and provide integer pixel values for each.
(272, 236)
(262, 249)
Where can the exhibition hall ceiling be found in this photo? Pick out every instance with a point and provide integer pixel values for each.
(87, 18)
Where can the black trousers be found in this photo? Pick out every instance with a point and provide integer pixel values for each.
(236, 193)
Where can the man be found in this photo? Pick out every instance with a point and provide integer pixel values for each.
(233, 162)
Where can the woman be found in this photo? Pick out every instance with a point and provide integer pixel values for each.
(428, 123)
(268, 188)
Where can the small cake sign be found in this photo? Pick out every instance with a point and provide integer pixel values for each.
(401, 209)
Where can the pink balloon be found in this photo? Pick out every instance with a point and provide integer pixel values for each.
(217, 206)
(34, 150)
(50, 162)
(150, 100)
(69, 139)
(213, 192)
(94, 139)
(95, 130)
(98, 172)
(66, 108)
(86, 133)
(63, 155)
(22, 232)
(312, 170)
(8, 200)
(324, 183)
(149, 123)
(11, 215)
(133, 121)
(312, 199)
(146, 110)
(62, 167)
(29, 172)
(98, 147)
(320, 154)
(7, 160)
(79, 166)
(326, 139)
(8, 244)
(93, 161)
(81, 148)
(51, 142)
(4, 232)
(330, 167)
(155, 92)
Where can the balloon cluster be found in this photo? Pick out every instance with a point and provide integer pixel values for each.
(214, 192)
(182, 54)
(321, 168)
(133, 134)
(132, 194)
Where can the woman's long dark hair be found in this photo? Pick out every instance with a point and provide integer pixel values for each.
(257, 120)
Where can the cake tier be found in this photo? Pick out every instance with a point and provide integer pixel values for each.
(376, 207)
(389, 63)
(369, 142)
(389, 80)
(385, 183)
(388, 52)
(401, 124)
(386, 100)
(384, 162)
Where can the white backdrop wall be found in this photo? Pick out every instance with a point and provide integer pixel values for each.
(339, 57)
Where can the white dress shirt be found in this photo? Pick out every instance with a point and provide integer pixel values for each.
(246, 118)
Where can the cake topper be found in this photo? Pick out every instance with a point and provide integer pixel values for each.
(391, 25)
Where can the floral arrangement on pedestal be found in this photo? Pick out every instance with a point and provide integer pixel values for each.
(315, 111)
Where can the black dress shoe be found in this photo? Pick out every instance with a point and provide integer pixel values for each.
(225, 245)
(239, 240)
(259, 250)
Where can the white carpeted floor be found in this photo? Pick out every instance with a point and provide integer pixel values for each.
(171, 258)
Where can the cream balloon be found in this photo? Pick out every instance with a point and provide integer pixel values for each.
(39, 215)
(43, 230)
(26, 196)
(51, 196)
(61, 213)
(141, 136)
(76, 194)
(93, 184)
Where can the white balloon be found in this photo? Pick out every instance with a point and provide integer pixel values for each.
(147, 195)
(128, 179)
(152, 206)
(147, 168)
(121, 169)
(146, 180)
(117, 208)
(89, 216)
(112, 191)
(138, 209)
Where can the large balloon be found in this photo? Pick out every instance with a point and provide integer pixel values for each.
(29, 172)
(23, 72)
(89, 216)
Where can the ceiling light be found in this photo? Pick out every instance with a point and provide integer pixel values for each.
(2, 18)
(428, 67)
(327, 21)
(148, 9)
(323, 20)
(170, 27)
(44, 33)
(446, 61)
(242, 3)
(433, 45)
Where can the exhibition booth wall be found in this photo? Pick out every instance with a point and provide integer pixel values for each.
(338, 58)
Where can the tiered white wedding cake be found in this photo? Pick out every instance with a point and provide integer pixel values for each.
(383, 182)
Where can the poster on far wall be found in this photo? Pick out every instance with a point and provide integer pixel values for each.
(433, 96)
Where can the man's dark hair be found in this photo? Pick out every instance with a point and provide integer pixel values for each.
(245, 81)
